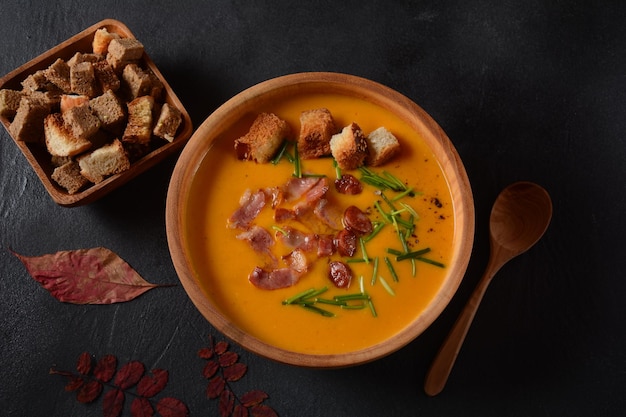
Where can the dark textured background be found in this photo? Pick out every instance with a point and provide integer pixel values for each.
(526, 90)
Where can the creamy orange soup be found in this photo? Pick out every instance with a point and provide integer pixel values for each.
(222, 262)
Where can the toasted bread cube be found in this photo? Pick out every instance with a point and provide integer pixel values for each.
(105, 75)
(27, 126)
(125, 49)
(109, 110)
(349, 147)
(264, 138)
(139, 126)
(81, 121)
(105, 161)
(382, 145)
(316, 128)
(58, 73)
(79, 57)
(83, 79)
(9, 102)
(36, 82)
(72, 100)
(59, 138)
(168, 122)
(101, 40)
(136, 81)
(69, 177)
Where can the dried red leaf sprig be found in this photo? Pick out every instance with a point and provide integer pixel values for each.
(86, 276)
(90, 381)
(223, 367)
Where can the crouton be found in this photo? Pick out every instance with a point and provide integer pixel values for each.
(382, 145)
(139, 127)
(105, 161)
(59, 138)
(79, 57)
(72, 100)
(349, 147)
(109, 110)
(122, 52)
(81, 120)
(137, 83)
(83, 79)
(37, 82)
(106, 78)
(167, 123)
(58, 73)
(27, 126)
(101, 39)
(9, 102)
(69, 177)
(264, 138)
(316, 128)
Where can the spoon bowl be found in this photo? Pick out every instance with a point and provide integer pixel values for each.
(519, 218)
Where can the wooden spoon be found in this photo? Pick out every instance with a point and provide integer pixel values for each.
(519, 217)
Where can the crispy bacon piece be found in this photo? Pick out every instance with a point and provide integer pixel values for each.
(296, 188)
(260, 240)
(250, 205)
(297, 261)
(282, 214)
(273, 279)
(325, 245)
(329, 214)
(297, 239)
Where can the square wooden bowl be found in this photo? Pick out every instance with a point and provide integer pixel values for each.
(36, 153)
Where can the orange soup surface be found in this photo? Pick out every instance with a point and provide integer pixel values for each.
(222, 263)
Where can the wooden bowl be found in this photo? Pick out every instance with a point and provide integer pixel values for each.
(36, 153)
(250, 102)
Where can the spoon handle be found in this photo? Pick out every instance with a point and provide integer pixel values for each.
(444, 360)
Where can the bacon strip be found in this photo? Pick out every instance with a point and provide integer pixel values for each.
(250, 205)
(274, 279)
(260, 240)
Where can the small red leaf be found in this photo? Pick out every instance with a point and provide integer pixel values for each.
(210, 369)
(221, 347)
(83, 365)
(262, 411)
(227, 403)
(215, 387)
(86, 276)
(253, 397)
(235, 372)
(228, 358)
(74, 384)
(172, 407)
(240, 411)
(141, 407)
(129, 374)
(105, 368)
(112, 403)
(205, 353)
(149, 386)
(89, 392)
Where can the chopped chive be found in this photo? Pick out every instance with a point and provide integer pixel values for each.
(317, 292)
(386, 286)
(391, 269)
(372, 309)
(375, 271)
(281, 152)
(363, 251)
(299, 296)
(318, 310)
(399, 185)
(389, 203)
(280, 230)
(361, 285)
(297, 169)
(356, 261)
(353, 306)
(410, 210)
(394, 252)
(384, 215)
(408, 191)
(337, 169)
(329, 301)
(430, 261)
(378, 226)
(354, 296)
(414, 254)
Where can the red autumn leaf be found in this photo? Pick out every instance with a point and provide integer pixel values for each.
(86, 276)
(227, 403)
(172, 407)
(240, 411)
(205, 353)
(262, 411)
(151, 385)
(235, 372)
(112, 403)
(210, 369)
(141, 407)
(89, 392)
(215, 387)
(129, 374)
(83, 365)
(105, 368)
(74, 384)
(228, 358)
(253, 397)
(221, 347)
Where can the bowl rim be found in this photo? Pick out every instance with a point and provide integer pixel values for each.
(220, 120)
(95, 191)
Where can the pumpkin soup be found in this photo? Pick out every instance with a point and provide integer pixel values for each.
(396, 268)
